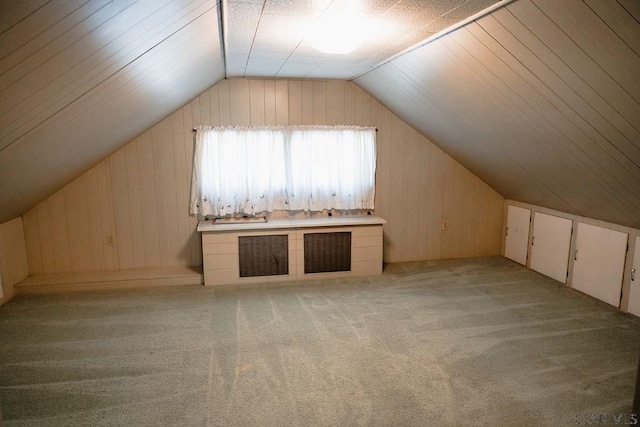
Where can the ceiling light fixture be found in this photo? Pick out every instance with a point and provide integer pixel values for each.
(340, 32)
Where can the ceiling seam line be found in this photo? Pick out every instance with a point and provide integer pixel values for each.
(253, 41)
(223, 37)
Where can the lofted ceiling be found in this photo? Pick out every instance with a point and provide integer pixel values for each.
(539, 98)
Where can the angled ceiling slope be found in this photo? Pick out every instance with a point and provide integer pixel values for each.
(80, 78)
(541, 99)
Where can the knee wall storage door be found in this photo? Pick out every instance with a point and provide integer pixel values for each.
(634, 291)
(599, 262)
(517, 239)
(550, 245)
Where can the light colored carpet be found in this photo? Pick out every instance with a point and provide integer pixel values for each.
(466, 342)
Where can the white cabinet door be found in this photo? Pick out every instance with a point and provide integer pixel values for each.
(634, 293)
(517, 241)
(599, 262)
(550, 244)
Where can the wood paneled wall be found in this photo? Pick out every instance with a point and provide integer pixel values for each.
(139, 195)
(13, 257)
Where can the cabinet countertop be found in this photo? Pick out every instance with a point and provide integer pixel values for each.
(208, 226)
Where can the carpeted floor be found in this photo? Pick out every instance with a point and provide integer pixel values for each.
(466, 342)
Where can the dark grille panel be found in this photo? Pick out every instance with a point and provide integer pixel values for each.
(263, 255)
(326, 252)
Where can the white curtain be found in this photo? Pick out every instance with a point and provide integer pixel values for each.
(248, 170)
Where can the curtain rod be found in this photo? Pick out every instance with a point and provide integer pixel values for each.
(195, 129)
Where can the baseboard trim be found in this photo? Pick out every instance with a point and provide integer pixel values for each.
(109, 280)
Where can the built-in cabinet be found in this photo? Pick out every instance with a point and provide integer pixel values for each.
(599, 259)
(598, 262)
(291, 249)
(550, 245)
(517, 234)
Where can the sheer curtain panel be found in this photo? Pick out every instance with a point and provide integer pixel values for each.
(249, 170)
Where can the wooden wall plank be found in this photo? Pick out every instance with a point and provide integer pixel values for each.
(182, 187)
(270, 102)
(191, 118)
(34, 251)
(282, 102)
(59, 232)
(165, 173)
(295, 102)
(97, 231)
(148, 198)
(319, 100)
(396, 249)
(14, 264)
(257, 102)
(435, 197)
(240, 102)
(122, 185)
(45, 237)
(214, 106)
(307, 102)
(335, 102)
(224, 105)
(135, 205)
(107, 213)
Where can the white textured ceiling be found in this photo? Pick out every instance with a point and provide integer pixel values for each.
(273, 38)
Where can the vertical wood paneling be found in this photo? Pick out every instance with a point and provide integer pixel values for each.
(149, 199)
(78, 221)
(107, 213)
(295, 102)
(214, 106)
(307, 103)
(59, 232)
(435, 192)
(122, 184)
(140, 194)
(165, 184)
(319, 111)
(257, 94)
(224, 104)
(45, 237)
(134, 205)
(34, 251)
(421, 163)
(14, 263)
(410, 193)
(396, 250)
(96, 228)
(282, 102)
(192, 118)
(270, 102)
(182, 185)
(240, 102)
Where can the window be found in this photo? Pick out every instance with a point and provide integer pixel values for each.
(243, 170)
